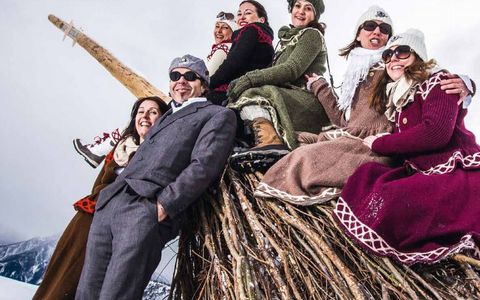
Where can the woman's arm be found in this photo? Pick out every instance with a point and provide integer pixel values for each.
(216, 58)
(309, 45)
(324, 93)
(306, 50)
(439, 115)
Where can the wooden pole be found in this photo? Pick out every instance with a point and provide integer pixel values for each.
(135, 83)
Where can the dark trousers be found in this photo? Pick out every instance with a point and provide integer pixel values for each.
(124, 248)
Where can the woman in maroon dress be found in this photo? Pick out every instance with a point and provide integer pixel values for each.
(428, 208)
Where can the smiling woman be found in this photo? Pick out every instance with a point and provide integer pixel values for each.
(63, 271)
(273, 102)
(407, 223)
(251, 49)
(225, 25)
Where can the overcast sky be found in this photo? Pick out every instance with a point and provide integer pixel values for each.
(52, 93)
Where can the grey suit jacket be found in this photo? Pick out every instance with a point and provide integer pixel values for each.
(182, 154)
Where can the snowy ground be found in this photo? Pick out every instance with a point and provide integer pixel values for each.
(15, 290)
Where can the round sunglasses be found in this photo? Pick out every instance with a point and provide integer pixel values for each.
(401, 52)
(372, 25)
(189, 76)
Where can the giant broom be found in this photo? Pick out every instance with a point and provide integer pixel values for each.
(237, 246)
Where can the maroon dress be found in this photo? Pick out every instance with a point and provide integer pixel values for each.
(429, 208)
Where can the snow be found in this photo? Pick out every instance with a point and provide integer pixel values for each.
(15, 290)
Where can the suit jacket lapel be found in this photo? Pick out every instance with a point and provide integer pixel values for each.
(169, 118)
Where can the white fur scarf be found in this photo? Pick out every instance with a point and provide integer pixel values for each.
(360, 60)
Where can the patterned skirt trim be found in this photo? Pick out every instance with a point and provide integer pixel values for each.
(457, 158)
(373, 242)
(327, 194)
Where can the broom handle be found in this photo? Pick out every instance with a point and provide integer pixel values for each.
(135, 83)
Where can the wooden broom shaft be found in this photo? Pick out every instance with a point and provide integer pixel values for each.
(135, 83)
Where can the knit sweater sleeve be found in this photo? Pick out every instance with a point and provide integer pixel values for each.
(324, 93)
(234, 65)
(439, 114)
(216, 58)
(309, 45)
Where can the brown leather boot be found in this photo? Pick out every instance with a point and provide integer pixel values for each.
(268, 148)
(264, 133)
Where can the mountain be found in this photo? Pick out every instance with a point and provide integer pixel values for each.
(26, 262)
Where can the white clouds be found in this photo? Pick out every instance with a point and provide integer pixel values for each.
(51, 92)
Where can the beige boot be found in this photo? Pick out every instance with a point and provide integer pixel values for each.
(268, 148)
(265, 134)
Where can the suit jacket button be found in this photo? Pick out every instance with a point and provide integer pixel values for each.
(140, 158)
(151, 141)
(404, 121)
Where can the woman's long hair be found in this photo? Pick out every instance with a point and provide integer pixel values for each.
(345, 51)
(318, 25)
(418, 71)
(131, 130)
(261, 11)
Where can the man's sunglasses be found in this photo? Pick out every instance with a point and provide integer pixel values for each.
(189, 76)
(223, 16)
(372, 25)
(401, 52)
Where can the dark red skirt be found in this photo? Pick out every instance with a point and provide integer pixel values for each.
(409, 216)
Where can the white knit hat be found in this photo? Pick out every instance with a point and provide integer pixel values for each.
(374, 12)
(221, 18)
(413, 38)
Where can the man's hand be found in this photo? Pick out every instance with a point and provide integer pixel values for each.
(455, 85)
(161, 214)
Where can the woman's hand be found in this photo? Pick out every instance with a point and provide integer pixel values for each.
(238, 86)
(311, 79)
(368, 141)
(455, 85)
(161, 213)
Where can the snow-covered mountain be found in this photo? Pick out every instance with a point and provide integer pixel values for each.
(26, 262)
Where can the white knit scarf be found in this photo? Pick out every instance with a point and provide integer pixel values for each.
(360, 60)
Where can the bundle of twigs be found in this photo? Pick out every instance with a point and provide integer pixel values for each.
(236, 246)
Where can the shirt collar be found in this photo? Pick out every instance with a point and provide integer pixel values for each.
(178, 106)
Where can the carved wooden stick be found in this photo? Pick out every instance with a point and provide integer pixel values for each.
(135, 83)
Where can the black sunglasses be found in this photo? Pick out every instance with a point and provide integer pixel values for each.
(189, 76)
(372, 25)
(401, 52)
(223, 16)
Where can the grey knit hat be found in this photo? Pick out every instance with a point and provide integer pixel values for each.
(317, 4)
(374, 12)
(413, 38)
(192, 63)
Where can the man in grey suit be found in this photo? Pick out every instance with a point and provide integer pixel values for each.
(183, 154)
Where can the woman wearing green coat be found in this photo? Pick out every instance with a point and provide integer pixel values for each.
(274, 101)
